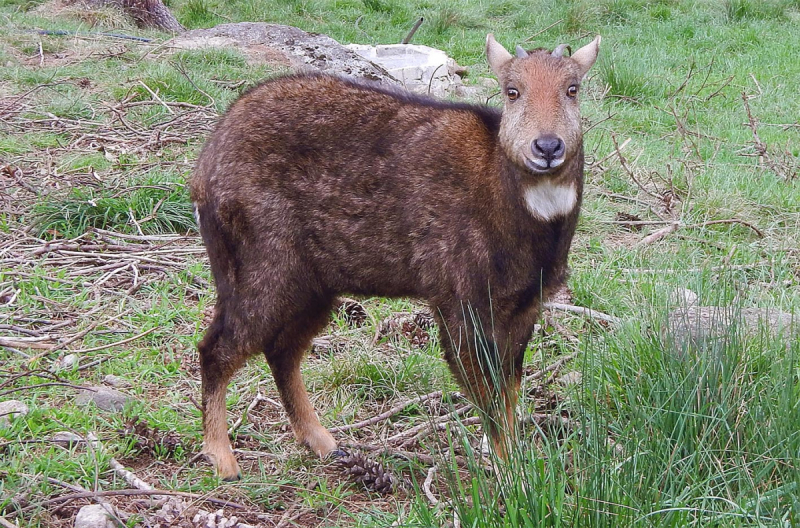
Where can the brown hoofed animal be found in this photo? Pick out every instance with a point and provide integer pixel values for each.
(314, 186)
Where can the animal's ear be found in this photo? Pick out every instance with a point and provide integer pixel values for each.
(586, 56)
(496, 54)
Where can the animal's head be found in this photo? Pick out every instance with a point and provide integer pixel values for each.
(541, 126)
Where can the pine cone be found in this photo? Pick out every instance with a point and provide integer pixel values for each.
(413, 327)
(148, 439)
(369, 472)
(353, 312)
(424, 319)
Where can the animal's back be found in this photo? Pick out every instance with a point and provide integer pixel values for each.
(336, 171)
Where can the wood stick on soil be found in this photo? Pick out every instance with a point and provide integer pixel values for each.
(130, 493)
(426, 486)
(657, 235)
(422, 458)
(588, 312)
(129, 476)
(256, 400)
(553, 367)
(412, 432)
(391, 412)
(727, 221)
(100, 500)
(624, 163)
(5, 523)
(82, 333)
(116, 343)
(429, 428)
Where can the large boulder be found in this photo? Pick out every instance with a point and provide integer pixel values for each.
(695, 326)
(285, 46)
(421, 69)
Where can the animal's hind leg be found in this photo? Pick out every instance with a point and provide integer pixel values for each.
(220, 358)
(284, 358)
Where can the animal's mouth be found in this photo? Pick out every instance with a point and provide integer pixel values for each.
(543, 166)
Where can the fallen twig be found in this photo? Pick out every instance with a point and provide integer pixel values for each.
(5, 523)
(727, 221)
(624, 163)
(409, 436)
(421, 458)
(48, 384)
(119, 519)
(115, 343)
(657, 235)
(426, 486)
(256, 400)
(393, 411)
(553, 367)
(588, 312)
(129, 493)
(781, 169)
(22, 342)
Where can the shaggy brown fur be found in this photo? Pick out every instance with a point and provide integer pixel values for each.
(314, 186)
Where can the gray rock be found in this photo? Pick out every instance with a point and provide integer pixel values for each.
(570, 379)
(66, 438)
(67, 362)
(698, 325)
(420, 69)
(284, 46)
(105, 398)
(11, 409)
(114, 381)
(683, 298)
(94, 516)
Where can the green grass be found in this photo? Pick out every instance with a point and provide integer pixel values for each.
(655, 437)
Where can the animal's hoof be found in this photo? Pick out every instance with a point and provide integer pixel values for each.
(225, 466)
(338, 453)
(233, 478)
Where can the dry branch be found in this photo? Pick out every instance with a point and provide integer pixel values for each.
(657, 235)
(129, 493)
(426, 486)
(393, 411)
(554, 367)
(782, 168)
(588, 312)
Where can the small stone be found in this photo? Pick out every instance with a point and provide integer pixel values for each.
(683, 297)
(66, 438)
(488, 83)
(68, 362)
(114, 381)
(570, 379)
(94, 516)
(11, 409)
(105, 398)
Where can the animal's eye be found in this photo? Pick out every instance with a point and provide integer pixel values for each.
(512, 93)
(572, 91)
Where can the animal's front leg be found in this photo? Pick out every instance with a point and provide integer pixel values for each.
(488, 367)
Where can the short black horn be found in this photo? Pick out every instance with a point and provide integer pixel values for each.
(559, 51)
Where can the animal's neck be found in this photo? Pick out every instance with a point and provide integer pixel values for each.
(548, 200)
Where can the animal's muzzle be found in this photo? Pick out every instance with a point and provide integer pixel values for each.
(547, 153)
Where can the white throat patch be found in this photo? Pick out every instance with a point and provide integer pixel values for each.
(547, 201)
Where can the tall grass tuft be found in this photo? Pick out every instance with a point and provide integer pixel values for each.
(737, 10)
(659, 434)
(150, 208)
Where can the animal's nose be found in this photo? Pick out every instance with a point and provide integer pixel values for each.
(548, 147)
